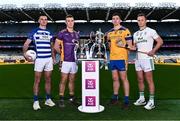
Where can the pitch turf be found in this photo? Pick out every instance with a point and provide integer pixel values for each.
(16, 83)
(22, 109)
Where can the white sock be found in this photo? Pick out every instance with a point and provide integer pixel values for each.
(151, 98)
(141, 95)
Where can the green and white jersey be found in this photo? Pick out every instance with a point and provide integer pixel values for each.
(144, 40)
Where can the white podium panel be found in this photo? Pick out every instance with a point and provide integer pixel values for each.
(90, 87)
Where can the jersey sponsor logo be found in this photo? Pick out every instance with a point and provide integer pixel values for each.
(67, 34)
(115, 37)
(140, 40)
(44, 37)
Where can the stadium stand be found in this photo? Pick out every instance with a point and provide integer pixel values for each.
(13, 31)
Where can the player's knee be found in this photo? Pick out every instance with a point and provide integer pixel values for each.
(48, 79)
(124, 79)
(115, 79)
(140, 80)
(63, 82)
(37, 81)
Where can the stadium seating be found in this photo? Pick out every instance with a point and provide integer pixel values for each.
(12, 36)
(169, 29)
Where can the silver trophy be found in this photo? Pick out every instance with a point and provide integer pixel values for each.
(83, 49)
(99, 45)
(100, 41)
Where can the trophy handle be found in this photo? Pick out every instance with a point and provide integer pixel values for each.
(103, 39)
(105, 53)
(75, 51)
(91, 36)
(92, 50)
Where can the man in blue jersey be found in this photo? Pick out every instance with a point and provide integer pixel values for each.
(65, 40)
(42, 40)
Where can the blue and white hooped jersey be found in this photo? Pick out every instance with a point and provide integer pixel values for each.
(42, 39)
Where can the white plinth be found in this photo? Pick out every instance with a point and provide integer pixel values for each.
(90, 86)
(85, 110)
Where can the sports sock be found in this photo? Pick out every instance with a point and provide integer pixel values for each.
(115, 97)
(35, 98)
(126, 99)
(151, 98)
(48, 96)
(141, 94)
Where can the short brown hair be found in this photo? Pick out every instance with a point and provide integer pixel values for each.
(141, 14)
(42, 15)
(69, 16)
(116, 14)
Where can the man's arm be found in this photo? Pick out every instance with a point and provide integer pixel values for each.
(157, 46)
(25, 48)
(108, 41)
(57, 46)
(53, 53)
(129, 44)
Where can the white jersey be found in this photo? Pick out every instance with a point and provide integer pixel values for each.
(144, 40)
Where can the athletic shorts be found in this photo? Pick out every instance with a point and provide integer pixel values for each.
(43, 64)
(145, 65)
(69, 67)
(119, 65)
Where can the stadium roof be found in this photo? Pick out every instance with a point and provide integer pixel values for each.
(94, 11)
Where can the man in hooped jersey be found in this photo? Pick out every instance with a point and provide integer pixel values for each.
(144, 39)
(42, 40)
(65, 46)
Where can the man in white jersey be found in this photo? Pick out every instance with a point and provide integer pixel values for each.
(144, 65)
(42, 40)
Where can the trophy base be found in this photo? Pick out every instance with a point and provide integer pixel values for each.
(83, 56)
(99, 56)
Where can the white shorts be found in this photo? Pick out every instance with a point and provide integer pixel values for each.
(43, 64)
(69, 67)
(145, 65)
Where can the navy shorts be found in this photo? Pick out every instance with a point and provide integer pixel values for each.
(119, 65)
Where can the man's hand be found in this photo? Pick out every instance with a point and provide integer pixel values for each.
(54, 61)
(133, 48)
(25, 48)
(151, 53)
(75, 41)
(28, 58)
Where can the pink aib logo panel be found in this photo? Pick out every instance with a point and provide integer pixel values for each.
(90, 84)
(90, 66)
(90, 101)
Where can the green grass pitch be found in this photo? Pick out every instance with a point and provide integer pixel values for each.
(16, 83)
